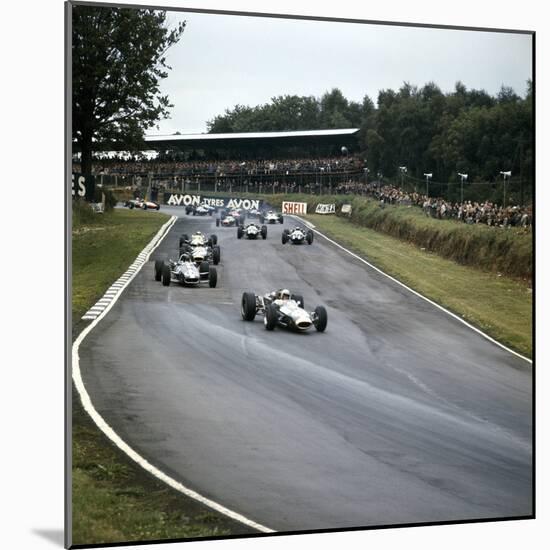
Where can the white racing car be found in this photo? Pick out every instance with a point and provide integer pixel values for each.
(283, 309)
(200, 249)
(252, 231)
(201, 210)
(185, 272)
(198, 239)
(270, 217)
(298, 235)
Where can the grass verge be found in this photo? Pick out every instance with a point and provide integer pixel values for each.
(498, 305)
(114, 500)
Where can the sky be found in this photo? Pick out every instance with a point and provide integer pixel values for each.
(222, 60)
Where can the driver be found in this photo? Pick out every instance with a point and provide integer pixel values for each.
(282, 296)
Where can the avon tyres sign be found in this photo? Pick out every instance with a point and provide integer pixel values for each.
(83, 187)
(179, 199)
(294, 207)
(325, 209)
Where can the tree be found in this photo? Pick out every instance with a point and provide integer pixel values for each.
(118, 63)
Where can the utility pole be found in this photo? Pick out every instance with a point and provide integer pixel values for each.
(428, 177)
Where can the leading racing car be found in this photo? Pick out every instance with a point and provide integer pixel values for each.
(283, 309)
(252, 231)
(185, 272)
(298, 235)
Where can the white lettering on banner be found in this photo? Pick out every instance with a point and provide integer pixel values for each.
(186, 200)
(81, 186)
(294, 207)
(213, 202)
(245, 204)
(196, 200)
(325, 209)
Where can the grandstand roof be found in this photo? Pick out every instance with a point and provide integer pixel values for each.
(249, 135)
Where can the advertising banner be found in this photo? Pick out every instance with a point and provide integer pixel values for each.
(83, 186)
(181, 199)
(294, 207)
(325, 209)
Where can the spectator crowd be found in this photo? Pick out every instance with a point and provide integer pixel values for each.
(223, 168)
(470, 212)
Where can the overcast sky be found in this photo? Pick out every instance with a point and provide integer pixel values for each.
(224, 60)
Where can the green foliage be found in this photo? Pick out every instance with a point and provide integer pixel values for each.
(423, 128)
(119, 59)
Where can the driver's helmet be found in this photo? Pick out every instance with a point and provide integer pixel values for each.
(284, 294)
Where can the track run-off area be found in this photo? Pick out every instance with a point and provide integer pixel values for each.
(398, 413)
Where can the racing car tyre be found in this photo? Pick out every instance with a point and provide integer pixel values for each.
(281, 220)
(144, 206)
(131, 206)
(194, 212)
(158, 270)
(216, 255)
(204, 268)
(322, 318)
(158, 206)
(264, 232)
(240, 232)
(212, 277)
(309, 236)
(248, 306)
(284, 238)
(210, 212)
(217, 222)
(214, 239)
(262, 219)
(166, 275)
(298, 298)
(270, 319)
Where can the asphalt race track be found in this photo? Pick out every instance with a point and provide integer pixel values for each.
(398, 413)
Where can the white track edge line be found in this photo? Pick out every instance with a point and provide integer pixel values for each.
(115, 438)
(420, 295)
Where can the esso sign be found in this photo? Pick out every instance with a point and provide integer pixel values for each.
(294, 207)
(80, 189)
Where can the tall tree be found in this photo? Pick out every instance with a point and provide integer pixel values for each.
(119, 59)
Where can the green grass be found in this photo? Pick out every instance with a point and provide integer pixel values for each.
(103, 248)
(115, 500)
(498, 305)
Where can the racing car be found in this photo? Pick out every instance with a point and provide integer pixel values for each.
(253, 213)
(185, 272)
(201, 210)
(270, 217)
(298, 235)
(198, 239)
(227, 221)
(283, 309)
(252, 230)
(143, 204)
(201, 253)
(200, 249)
(235, 213)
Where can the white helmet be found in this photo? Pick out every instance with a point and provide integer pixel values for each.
(284, 294)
